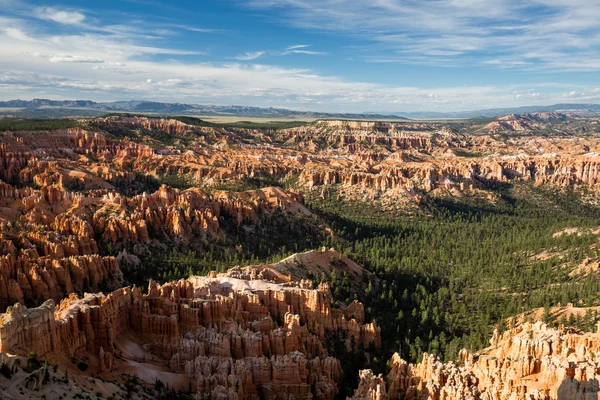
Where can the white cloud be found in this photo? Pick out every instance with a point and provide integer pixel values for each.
(296, 49)
(171, 83)
(527, 94)
(297, 46)
(592, 94)
(308, 52)
(301, 49)
(506, 63)
(194, 29)
(250, 55)
(63, 16)
(15, 33)
(130, 62)
(565, 34)
(74, 59)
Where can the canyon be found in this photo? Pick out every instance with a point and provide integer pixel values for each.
(174, 251)
(376, 157)
(232, 337)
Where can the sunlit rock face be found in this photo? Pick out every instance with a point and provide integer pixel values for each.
(397, 159)
(260, 331)
(531, 361)
(244, 338)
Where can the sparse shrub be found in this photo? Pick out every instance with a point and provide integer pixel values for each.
(6, 370)
(32, 362)
(82, 366)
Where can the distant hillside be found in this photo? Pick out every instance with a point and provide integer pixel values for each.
(66, 108)
(37, 103)
(582, 109)
(62, 108)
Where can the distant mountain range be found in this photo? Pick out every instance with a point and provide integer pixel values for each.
(43, 107)
(581, 109)
(62, 108)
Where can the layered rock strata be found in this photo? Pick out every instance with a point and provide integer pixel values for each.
(377, 156)
(65, 194)
(50, 238)
(529, 362)
(244, 339)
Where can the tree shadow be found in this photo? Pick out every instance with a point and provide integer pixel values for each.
(571, 389)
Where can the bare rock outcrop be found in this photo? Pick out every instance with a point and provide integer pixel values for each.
(531, 361)
(370, 387)
(368, 158)
(247, 339)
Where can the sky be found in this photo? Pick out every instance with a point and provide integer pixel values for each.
(320, 55)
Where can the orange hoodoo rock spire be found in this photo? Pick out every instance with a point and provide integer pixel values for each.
(529, 362)
(244, 339)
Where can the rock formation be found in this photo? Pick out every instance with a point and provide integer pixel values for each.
(370, 387)
(364, 156)
(530, 361)
(71, 198)
(248, 339)
(59, 206)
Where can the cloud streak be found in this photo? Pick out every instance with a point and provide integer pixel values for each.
(542, 34)
(66, 17)
(296, 49)
(74, 59)
(297, 46)
(71, 54)
(301, 49)
(250, 55)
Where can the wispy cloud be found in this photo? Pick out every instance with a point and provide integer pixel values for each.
(302, 49)
(62, 16)
(467, 32)
(74, 59)
(195, 29)
(592, 94)
(76, 53)
(296, 49)
(297, 46)
(250, 55)
(527, 94)
(308, 52)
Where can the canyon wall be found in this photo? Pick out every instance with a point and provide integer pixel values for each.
(246, 338)
(531, 361)
(377, 156)
(66, 194)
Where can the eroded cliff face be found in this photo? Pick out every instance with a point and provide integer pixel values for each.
(367, 158)
(49, 246)
(260, 331)
(237, 338)
(407, 160)
(59, 206)
(531, 361)
(168, 126)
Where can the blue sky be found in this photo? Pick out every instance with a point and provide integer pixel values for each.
(325, 55)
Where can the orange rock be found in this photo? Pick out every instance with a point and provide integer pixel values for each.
(247, 338)
(531, 361)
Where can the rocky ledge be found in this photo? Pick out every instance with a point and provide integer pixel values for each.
(529, 362)
(232, 337)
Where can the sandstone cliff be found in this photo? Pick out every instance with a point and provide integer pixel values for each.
(247, 339)
(531, 361)
(50, 238)
(367, 157)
